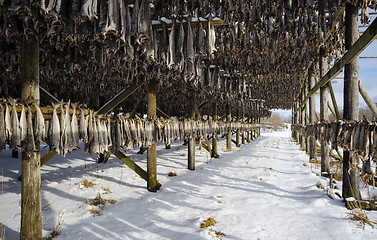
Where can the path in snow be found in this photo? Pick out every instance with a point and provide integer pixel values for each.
(259, 191)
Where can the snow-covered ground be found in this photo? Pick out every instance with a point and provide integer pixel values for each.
(264, 190)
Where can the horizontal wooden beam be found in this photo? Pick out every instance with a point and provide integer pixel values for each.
(126, 160)
(119, 98)
(364, 40)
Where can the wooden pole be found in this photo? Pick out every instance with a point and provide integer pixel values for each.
(368, 100)
(152, 183)
(31, 200)
(312, 140)
(306, 119)
(351, 104)
(243, 132)
(238, 132)
(296, 121)
(229, 134)
(324, 113)
(301, 119)
(214, 138)
(191, 141)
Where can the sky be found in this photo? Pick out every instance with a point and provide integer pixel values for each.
(367, 76)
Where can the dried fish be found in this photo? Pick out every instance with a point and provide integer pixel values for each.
(29, 143)
(83, 130)
(54, 130)
(90, 133)
(40, 128)
(16, 135)
(8, 124)
(23, 124)
(75, 128)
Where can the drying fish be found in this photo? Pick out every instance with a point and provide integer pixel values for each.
(23, 124)
(40, 128)
(75, 128)
(171, 55)
(180, 45)
(94, 144)
(90, 132)
(29, 143)
(54, 130)
(16, 135)
(83, 130)
(8, 124)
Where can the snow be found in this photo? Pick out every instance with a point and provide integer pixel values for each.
(265, 189)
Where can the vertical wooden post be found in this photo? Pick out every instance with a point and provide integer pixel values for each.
(214, 137)
(324, 112)
(258, 118)
(243, 131)
(229, 133)
(312, 119)
(152, 184)
(191, 142)
(306, 119)
(295, 117)
(302, 118)
(31, 201)
(351, 104)
(238, 132)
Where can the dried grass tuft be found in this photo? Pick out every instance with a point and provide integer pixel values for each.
(208, 222)
(361, 217)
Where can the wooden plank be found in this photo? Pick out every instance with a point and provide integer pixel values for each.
(131, 164)
(47, 96)
(47, 157)
(368, 100)
(365, 39)
(119, 98)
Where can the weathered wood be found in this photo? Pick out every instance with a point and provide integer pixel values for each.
(238, 132)
(132, 165)
(162, 113)
(119, 98)
(191, 141)
(229, 134)
(368, 100)
(214, 137)
(324, 113)
(47, 157)
(312, 141)
(152, 183)
(138, 104)
(351, 102)
(107, 156)
(333, 99)
(31, 200)
(243, 139)
(365, 39)
(47, 96)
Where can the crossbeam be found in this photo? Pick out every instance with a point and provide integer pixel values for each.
(131, 164)
(367, 38)
(119, 98)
